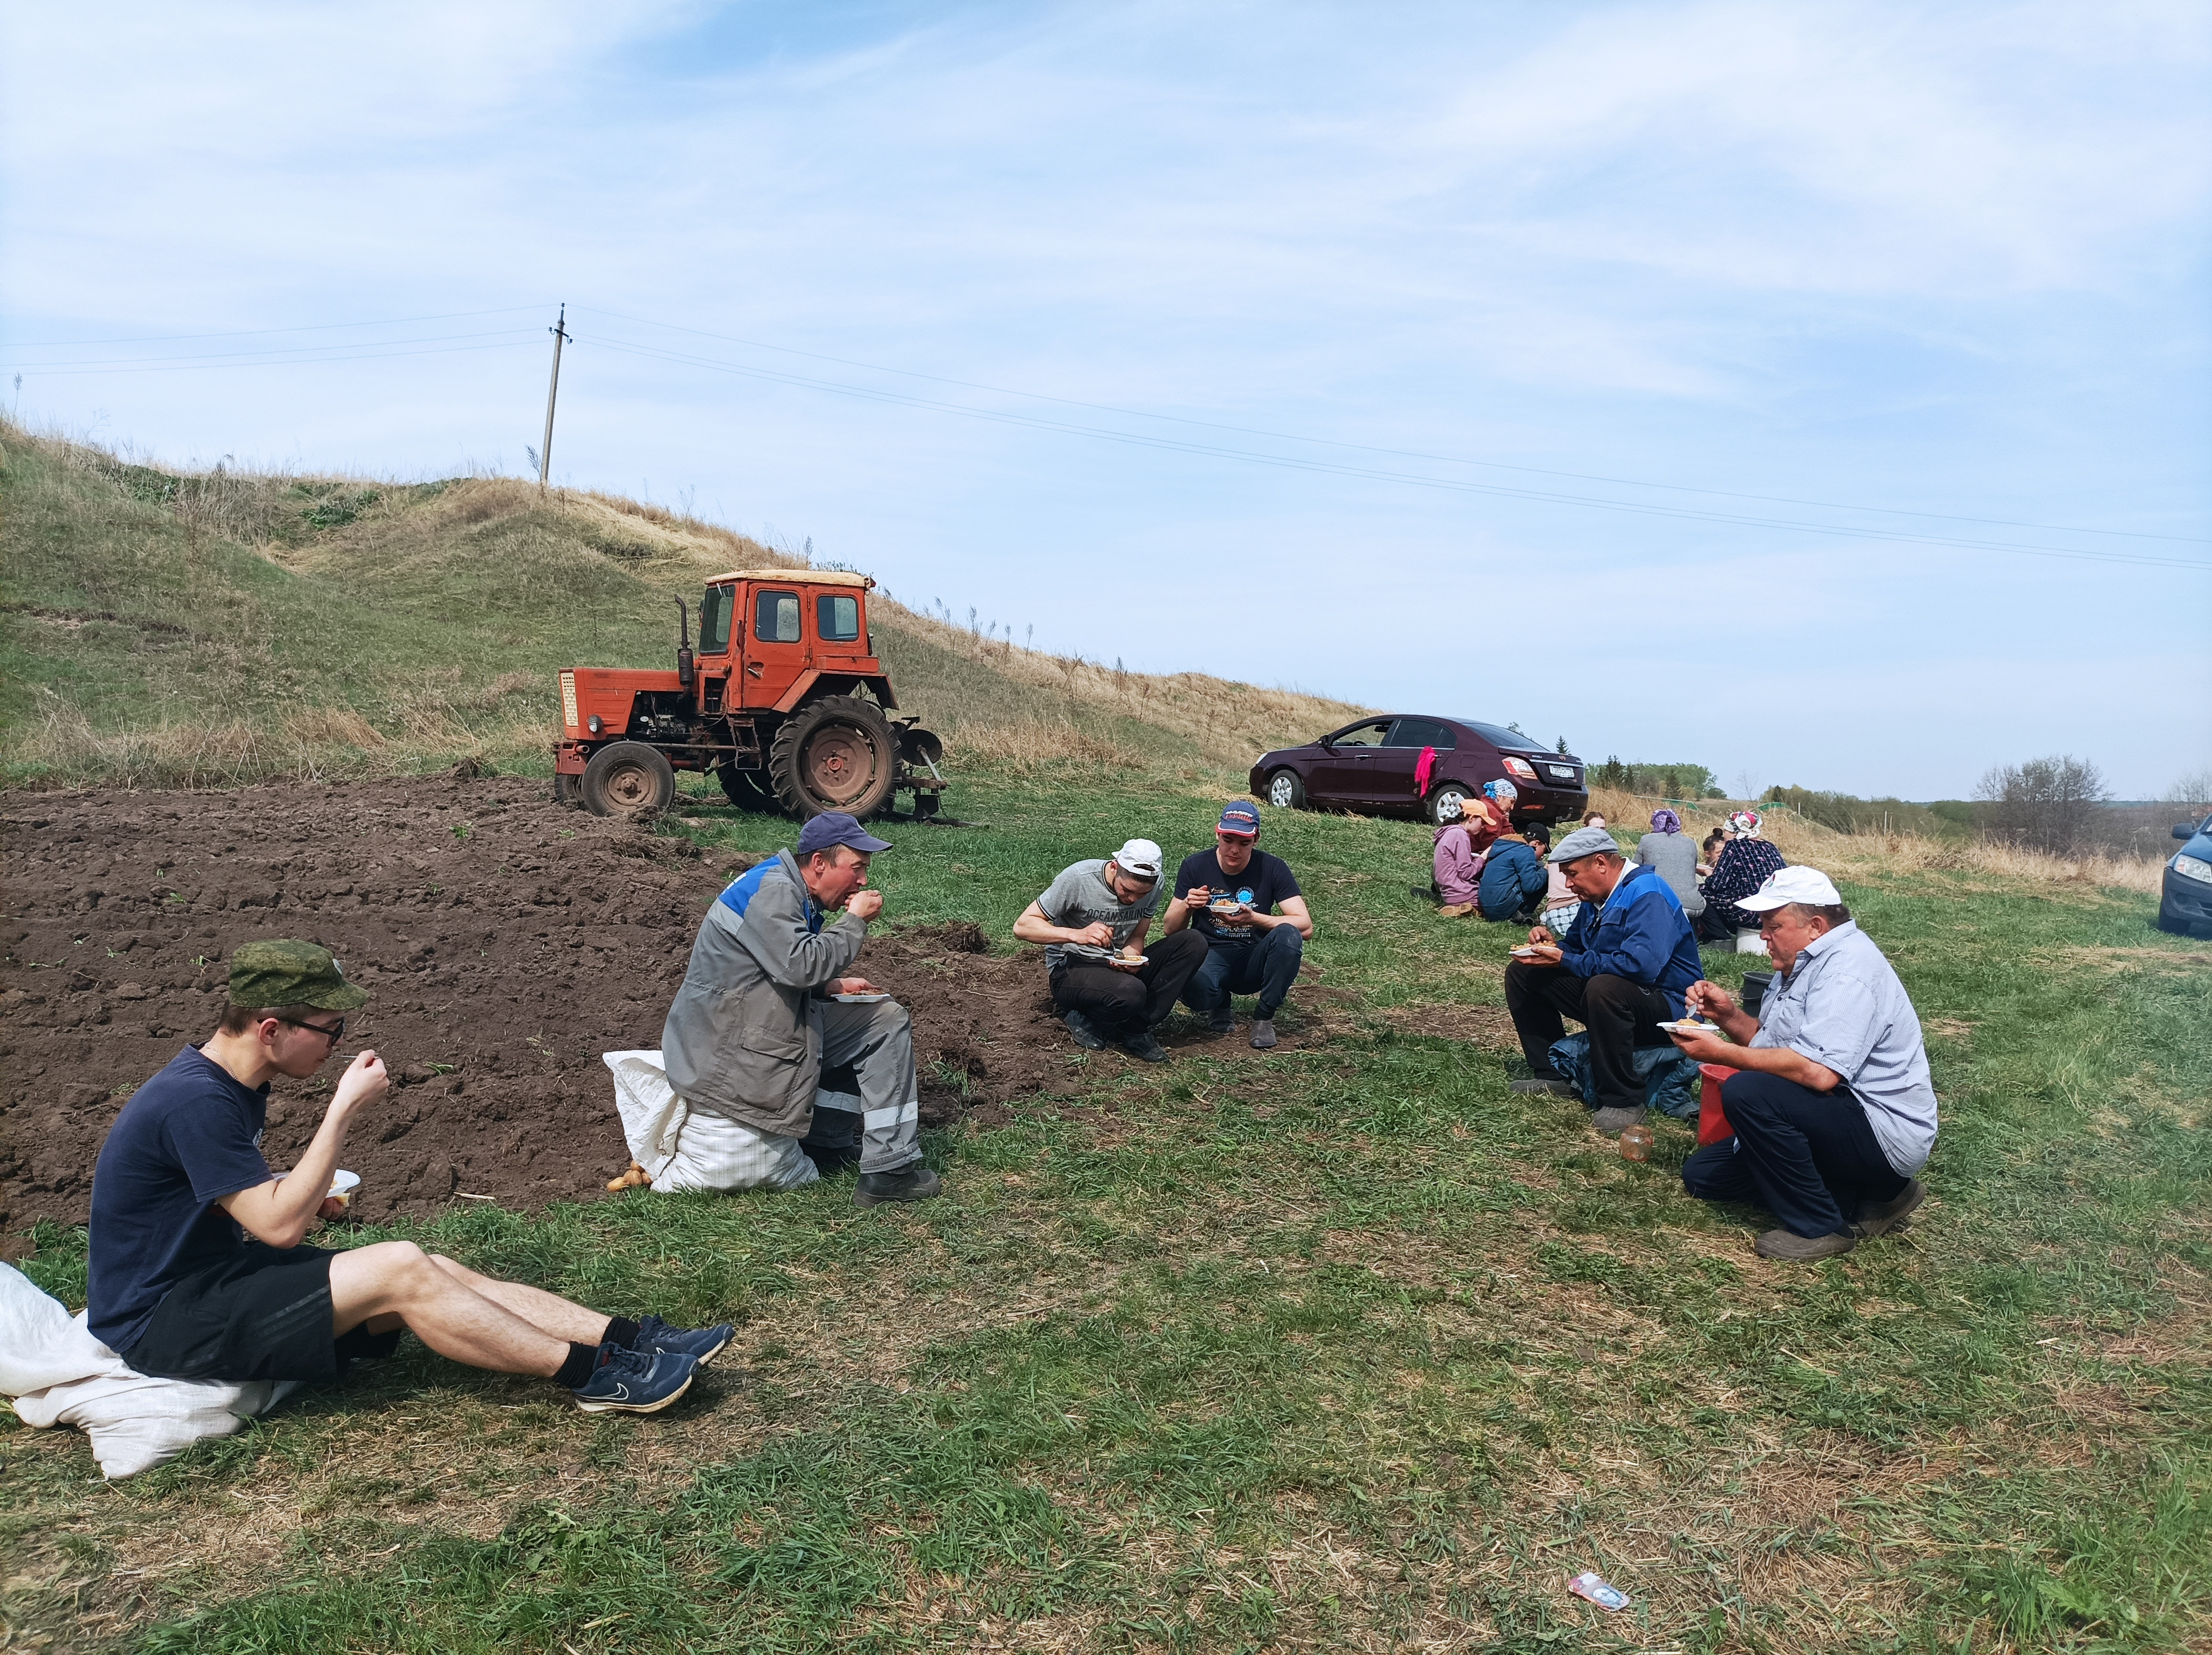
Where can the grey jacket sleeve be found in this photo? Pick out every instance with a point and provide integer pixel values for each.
(774, 933)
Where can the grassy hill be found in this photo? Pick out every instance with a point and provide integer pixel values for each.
(163, 628)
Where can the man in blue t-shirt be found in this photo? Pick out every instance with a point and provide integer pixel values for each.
(1229, 895)
(196, 1262)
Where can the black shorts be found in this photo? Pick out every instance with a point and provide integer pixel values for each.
(263, 1315)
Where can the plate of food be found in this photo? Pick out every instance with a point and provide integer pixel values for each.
(1690, 1026)
(1526, 951)
(860, 1000)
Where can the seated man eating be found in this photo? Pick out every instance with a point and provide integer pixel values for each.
(1092, 921)
(1833, 1110)
(196, 1267)
(1621, 970)
(1229, 895)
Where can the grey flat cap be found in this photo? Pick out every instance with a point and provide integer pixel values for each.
(1583, 842)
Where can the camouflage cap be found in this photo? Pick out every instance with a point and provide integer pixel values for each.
(285, 973)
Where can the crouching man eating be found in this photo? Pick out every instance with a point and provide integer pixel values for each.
(196, 1267)
(1833, 1107)
(755, 1022)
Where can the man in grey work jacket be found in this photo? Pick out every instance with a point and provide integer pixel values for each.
(755, 1022)
(1833, 1110)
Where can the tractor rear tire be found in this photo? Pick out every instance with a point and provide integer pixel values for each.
(629, 778)
(746, 789)
(834, 754)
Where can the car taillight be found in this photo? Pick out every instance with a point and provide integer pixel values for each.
(568, 699)
(1520, 770)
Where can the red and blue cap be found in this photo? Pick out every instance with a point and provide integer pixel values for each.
(1239, 817)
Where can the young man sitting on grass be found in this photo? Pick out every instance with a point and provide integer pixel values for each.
(196, 1267)
(1092, 921)
(1833, 1110)
(1249, 948)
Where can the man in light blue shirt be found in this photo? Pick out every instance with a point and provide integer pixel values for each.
(1833, 1107)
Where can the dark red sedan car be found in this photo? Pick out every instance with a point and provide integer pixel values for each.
(1371, 766)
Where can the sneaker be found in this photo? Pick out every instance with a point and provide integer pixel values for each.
(702, 1345)
(1544, 1086)
(1085, 1036)
(1141, 1044)
(1221, 1022)
(1879, 1218)
(915, 1182)
(635, 1381)
(1263, 1033)
(1781, 1244)
(1614, 1122)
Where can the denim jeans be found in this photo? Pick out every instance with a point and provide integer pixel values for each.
(1265, 966)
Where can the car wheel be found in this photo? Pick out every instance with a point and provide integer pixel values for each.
(629, 778)
(1450, 791)
(1286, 791)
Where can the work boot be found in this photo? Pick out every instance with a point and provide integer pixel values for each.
(1141, 1044)
(1879, 1218)
(1544, 1086)
(915, 1182)
(1263, 1033)
(1086, 1035)
(1222, 1021)
(1781, 1244)
(1614, 1122)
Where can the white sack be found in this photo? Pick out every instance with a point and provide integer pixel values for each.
(684, 1148)
(59, 1374)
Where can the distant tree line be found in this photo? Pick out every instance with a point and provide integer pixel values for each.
(1667, 781)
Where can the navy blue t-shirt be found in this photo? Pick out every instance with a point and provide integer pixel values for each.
(1265, 881)
(188, 1137)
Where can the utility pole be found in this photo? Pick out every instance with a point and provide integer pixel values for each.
(560, 332)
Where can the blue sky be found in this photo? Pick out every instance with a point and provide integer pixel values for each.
(1891, 260)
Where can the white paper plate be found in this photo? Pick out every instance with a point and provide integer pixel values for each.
(1690, 1026)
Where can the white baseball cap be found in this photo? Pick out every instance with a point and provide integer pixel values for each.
(1139, 858)
(1805, 885)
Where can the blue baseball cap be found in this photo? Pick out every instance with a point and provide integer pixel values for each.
(1239, 817)
(834, 827)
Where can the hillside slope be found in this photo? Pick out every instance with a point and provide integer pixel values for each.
(164, 628)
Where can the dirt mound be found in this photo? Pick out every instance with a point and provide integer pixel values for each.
(506, 943)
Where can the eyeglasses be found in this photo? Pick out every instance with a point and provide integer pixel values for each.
(333, 1032)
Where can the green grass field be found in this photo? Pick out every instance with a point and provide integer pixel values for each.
(1342, 1349)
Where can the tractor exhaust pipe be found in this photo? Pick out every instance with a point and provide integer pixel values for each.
(684, 672)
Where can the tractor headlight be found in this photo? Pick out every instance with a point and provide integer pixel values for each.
(2193, 867)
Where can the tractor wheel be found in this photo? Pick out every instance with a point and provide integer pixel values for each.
(746, 789)
(565, 789)
(627, 778)
(1286, 791)
(834, 754)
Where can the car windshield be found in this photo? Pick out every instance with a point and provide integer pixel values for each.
(1497, 736)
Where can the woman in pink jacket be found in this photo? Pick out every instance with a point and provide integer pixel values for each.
(1462, 843)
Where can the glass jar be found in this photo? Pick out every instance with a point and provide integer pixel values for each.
(1635, 1143)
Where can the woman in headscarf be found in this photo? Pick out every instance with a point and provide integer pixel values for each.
(1667, 851)
(1465, 840)
(1745, 863)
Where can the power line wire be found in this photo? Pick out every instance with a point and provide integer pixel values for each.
(255, 332)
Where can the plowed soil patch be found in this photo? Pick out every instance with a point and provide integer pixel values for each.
(506, 943)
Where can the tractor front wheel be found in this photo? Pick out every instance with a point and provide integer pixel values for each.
(627, 778)
(834, 754)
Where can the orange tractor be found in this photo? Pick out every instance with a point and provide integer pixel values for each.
(783, 701)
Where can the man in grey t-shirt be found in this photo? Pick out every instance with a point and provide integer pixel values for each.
(1833, 1108)
(1092, 921)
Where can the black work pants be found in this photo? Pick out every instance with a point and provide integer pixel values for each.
(1619, 1014)
(1808, 1157)
(1121, 1004)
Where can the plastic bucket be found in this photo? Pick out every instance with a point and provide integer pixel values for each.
(1712, 1124)
(1750, 942)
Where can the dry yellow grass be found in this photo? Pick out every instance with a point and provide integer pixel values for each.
(1858, 854)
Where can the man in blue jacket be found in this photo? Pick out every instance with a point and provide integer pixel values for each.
(1621, 971)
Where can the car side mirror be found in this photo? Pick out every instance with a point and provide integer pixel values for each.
(2184, 829)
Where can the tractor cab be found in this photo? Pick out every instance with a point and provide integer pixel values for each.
(782, 699)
